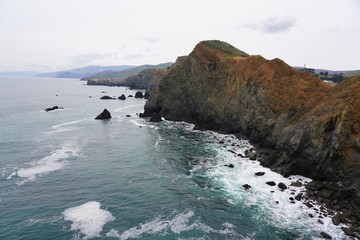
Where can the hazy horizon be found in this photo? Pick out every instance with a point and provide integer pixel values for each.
(54, 35)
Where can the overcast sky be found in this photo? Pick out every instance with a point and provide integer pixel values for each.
(49, 35)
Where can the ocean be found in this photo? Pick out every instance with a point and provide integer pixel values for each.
(65, 175)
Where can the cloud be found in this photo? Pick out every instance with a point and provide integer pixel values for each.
(87, 58)
(273, 24)
(151, 39)
(132, 56)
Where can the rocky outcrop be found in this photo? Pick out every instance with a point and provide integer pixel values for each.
(104, 115)
(307, 127)
(122, 97)
(52, 108)
(139, 94)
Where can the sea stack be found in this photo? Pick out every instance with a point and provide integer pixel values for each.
(104, 115)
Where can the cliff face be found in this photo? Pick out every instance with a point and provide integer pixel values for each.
(310, 128)
(146, 79)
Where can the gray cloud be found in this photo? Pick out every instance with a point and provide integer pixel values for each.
(273, 24)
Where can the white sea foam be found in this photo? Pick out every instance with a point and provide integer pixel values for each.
(51, 220)
(11, 175)
(127, 107)
(136, 122)
(88, 219)
(64, 127)
(181, 222)
(65, 124)
(274, 208)
(55, 161)
(286, 215)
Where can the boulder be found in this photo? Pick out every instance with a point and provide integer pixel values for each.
(139, 94)
(271, 183)
(252, 155)
(325, 235)
(246, 186)
(130, 95)
(282, 186)
(122, 97)
(296, 184)
(298, 197)
(104, 115)
(106, 97)
(259, 173)
(229, 165)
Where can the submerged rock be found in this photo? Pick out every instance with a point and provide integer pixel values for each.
(229, 165)
(106, 98)
(52, 108)
(104, 115)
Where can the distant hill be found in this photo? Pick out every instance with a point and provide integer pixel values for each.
(84, 72)
(113, 77)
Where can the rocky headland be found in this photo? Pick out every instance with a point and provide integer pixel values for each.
(299, 124)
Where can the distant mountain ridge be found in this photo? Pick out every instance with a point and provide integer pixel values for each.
(84, 72)
(115, 77)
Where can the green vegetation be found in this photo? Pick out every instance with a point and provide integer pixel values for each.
(225, 47)
(351, 73)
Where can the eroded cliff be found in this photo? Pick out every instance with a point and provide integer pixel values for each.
(308, 127)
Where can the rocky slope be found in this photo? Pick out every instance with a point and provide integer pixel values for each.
(146, 79)
(307, 127)
(114, 78)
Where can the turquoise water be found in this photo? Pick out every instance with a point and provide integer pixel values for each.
(65, 175)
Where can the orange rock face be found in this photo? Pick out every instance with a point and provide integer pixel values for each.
(309, 127)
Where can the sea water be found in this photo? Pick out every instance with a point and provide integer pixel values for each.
(65, 175)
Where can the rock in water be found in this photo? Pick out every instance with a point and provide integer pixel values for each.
(259, 173)
(271, 183)
(104, 115)
(246, 186)
(139, 94)
(52, 108)
(229, 165)
(325, 235)
(106, 97)
(282, 186)
(122, 97)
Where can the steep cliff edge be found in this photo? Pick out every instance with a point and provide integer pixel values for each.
(309, 128)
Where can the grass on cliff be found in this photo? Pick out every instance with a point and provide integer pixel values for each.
(225, 47)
